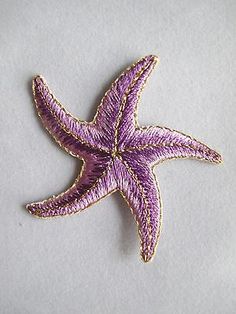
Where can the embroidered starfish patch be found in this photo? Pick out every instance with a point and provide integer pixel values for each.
(118, 155)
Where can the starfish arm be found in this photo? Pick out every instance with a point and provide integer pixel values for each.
(155, 144)
(61, 124)
(138, 186)
(95, 182)
(128, 121)
(122, 94)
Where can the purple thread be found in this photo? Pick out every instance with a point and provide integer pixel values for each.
(117, 154)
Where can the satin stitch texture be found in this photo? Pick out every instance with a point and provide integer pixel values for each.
(117, 154)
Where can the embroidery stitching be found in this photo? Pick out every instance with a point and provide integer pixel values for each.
(119, 153)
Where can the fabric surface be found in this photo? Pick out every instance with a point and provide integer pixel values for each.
(89, 263)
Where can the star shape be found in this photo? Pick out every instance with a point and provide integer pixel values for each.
(117, 154)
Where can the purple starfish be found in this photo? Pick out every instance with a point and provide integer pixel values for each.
(117, 153)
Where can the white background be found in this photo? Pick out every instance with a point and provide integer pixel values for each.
(89, 263)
